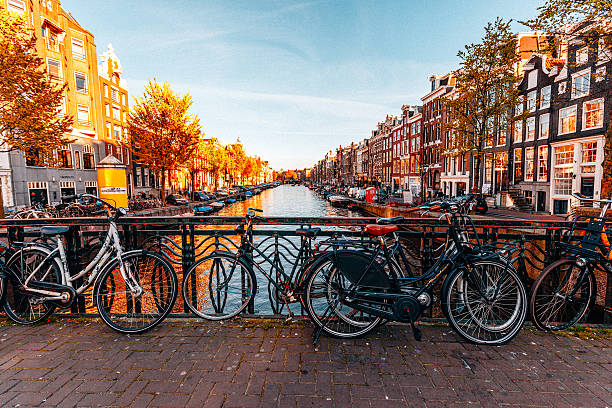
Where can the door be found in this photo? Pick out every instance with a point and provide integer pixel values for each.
(587, 187)
(541, 204)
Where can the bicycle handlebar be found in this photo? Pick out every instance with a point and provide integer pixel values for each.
(585, 198)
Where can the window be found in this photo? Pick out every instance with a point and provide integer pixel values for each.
(83, 114)
(34, 157)
(582, 55)
(77, 159)
(519, 107)
(529, 164)
(518, 164)
(592, 114)
(106, 90)
(564, 155)
(589, 152)
(116, 113)
(581, 83)
(531, 128)
(16, 5)
(81, 82)
(518, 131)
(604, 53)
(542, 163)
(61, 109)
(562, 87)
(88, 157)
(488, 168)
(563, 180)
(54, 68)
(600, 74)
(107, 109)
(117, 132)
(545, 97)
(544, 125)
(531, 101)
(532, 79)
(64, 157)
(567, 120)
(503, 134)
(78, 49)
(115, 95)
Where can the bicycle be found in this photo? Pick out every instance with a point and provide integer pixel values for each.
(483, 297)
(133, 290)
(221, 285)
(565, 290)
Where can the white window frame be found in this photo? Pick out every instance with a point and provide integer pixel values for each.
(79, 109)
(117, 93)
(75, 82)
(18, 6)
(527, 163)
(532, 101)
(61, 74)
(78, 42)
(584, 113)
(518, 139)
(604, 54)
(584, 51)
(530, 120)
(545, 103)
(545, 160)
(540, 133)
(562, 88)
(561, 111)
(532, 79)
(581, 74)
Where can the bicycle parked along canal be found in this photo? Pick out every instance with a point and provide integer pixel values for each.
(133, 290)
(566, 289)
(483, 297)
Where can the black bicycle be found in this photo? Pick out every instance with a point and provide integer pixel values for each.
(350, 292)
(565, 290)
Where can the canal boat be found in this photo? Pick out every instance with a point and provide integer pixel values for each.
(230, 201)
(339, 201)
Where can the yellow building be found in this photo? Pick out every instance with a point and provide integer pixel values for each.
(115, 112)
(69, 53)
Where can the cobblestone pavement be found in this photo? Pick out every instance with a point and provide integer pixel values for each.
(194, 363)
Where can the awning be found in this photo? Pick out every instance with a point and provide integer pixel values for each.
(52, 24)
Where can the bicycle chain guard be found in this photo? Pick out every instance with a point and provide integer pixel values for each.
(406, 308)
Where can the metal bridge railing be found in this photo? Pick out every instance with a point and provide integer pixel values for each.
(184, 240)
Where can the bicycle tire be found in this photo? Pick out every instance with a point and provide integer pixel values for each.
(325, 309)
(212, 298)
(19, 305)
(476, 318)
(124, 311)
(549, 308)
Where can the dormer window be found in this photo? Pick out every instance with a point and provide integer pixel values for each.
(17, 6)
(532, 79)
(52, 34)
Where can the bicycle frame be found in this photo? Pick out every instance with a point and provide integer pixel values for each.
(111, 249)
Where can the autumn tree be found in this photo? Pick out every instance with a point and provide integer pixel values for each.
(29, 100)
(162, 130)
(588, 22)
(196, 163)
(215, 160)
(484, 95)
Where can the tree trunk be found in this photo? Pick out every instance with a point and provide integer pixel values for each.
(193, 176)
(162, 187)
(1, 200)
(477, 179)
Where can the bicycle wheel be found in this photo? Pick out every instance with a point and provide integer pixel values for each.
(561, 295)
(21, 306)
(486, 305)
(147, 303)
(219, 286)
(325, 287)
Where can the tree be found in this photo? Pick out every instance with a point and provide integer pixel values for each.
(162, 130)
(563, 19)
(29, 100)
(196, 163)
(484, 95)
(215, 157)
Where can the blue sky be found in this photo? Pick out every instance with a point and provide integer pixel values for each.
(291, 79)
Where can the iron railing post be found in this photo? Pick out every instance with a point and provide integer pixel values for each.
(74, 255)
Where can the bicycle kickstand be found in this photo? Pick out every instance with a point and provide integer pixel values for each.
(418, 334)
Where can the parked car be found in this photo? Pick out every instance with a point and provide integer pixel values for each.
(221, 193)
(200, 196)
(175, 199)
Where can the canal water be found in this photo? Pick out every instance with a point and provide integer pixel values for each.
(282, 201)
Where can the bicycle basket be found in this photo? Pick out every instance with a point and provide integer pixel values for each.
(361, 270)
(588, 237)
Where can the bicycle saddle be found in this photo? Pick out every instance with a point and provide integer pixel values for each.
(308, 232)
(377, 230)
(392, 220)
(54, 230)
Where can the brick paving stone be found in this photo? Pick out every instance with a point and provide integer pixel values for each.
(195, 363)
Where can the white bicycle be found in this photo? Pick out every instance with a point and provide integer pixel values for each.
(133, 291)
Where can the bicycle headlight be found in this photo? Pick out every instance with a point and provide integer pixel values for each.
(581, 262)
